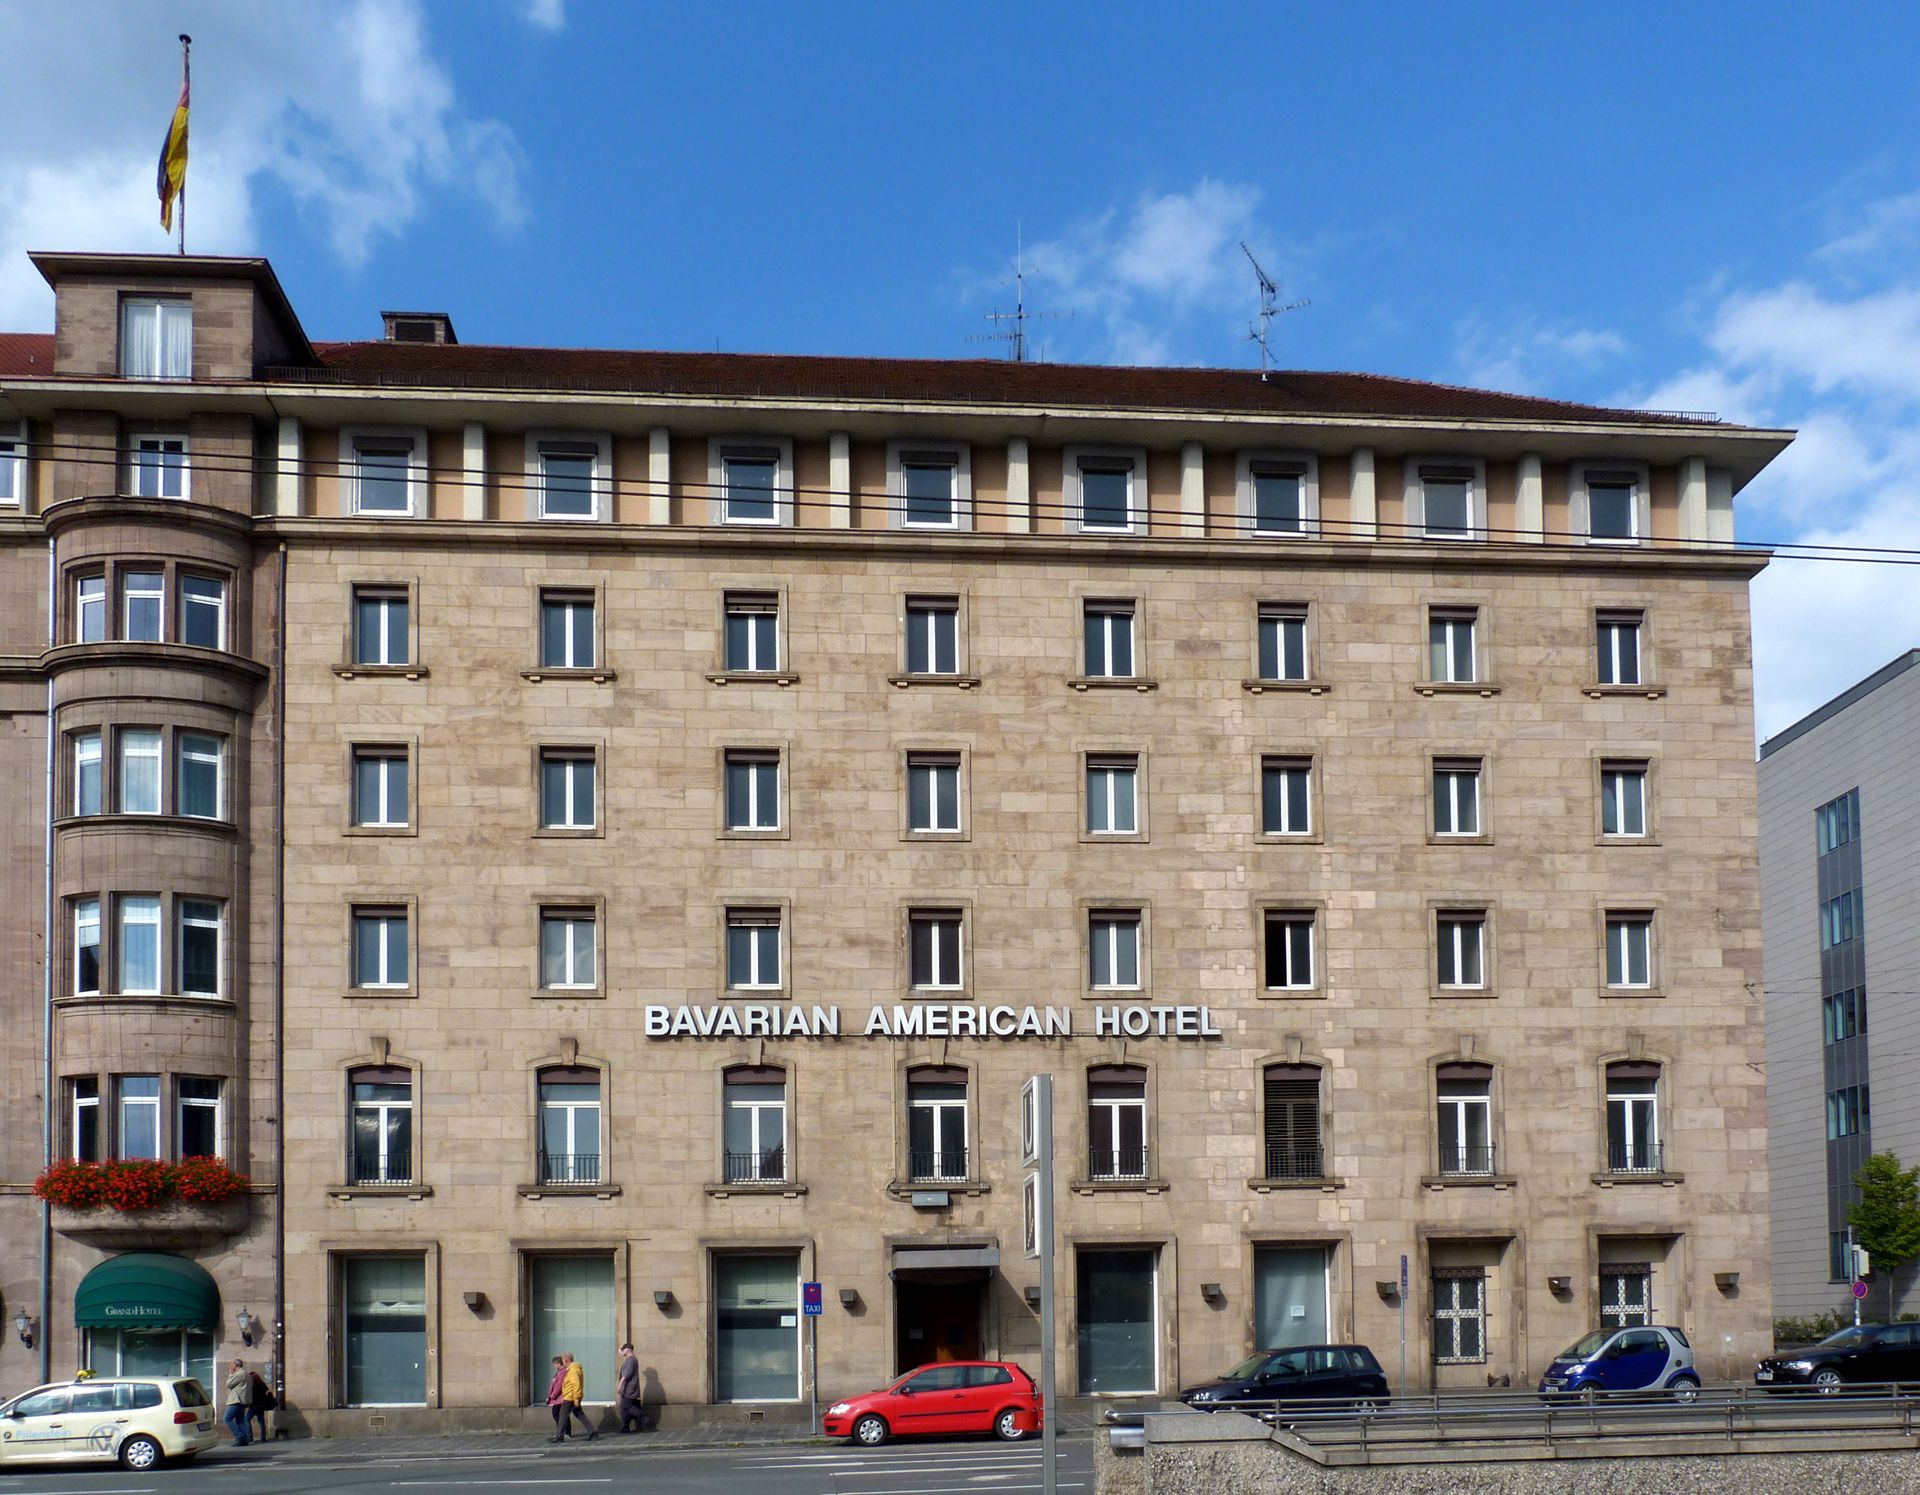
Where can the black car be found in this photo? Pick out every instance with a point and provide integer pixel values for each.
(1337, 1373)
(1867, 1353)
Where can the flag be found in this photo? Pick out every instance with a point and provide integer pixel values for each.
(173, 160)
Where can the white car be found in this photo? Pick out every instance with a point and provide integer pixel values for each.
(140, 1421)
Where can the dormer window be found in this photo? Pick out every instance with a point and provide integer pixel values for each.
(156, 338)
(572, 474)
(1446, 499)
(751, 481)
(384, 472)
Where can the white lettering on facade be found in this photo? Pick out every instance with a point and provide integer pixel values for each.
(923, 1020)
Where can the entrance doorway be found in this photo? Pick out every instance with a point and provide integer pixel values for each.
(1289, 1296)
(937, 1319)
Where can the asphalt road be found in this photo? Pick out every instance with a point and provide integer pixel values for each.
(932, 1467)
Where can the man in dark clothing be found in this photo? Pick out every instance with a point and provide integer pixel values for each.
(626, 1386)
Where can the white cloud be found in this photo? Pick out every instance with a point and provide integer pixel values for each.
(345, 107)
(1527, 358)
(545, 15)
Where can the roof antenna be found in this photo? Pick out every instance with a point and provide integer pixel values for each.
(1015, 337)
(1257, 330)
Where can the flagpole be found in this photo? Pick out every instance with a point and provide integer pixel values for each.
(186, 83)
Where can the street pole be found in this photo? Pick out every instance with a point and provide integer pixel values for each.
(813, 1375)
(1403, 1326)
(1043, 1162)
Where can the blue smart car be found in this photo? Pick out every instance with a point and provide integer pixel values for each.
(1610, 1362)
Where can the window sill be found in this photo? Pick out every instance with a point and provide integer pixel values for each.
(168, 824)
(379, 1191)
(567, 1191)
(970, 1188)
(569, 994)
(1284, 1185)
(566, 832)
(1462, 994)
(596, 677)
(1103, 838)
(1290, 993)
(1663, 1180)
(1456, 688)
(1312, 838)
(1631, 992)
(1113, 682)
(63, 657)
(165, 1001)
(381, 830)
(1651, 692)
(1118, 1186)
(1302, 687)
(1626, 840)
(378, 671)
(1434, 838)
(936, 836)
(375, 993)
(752, 677)
(760, 1188)
(1437, 1181)
(776, 833)
(956, 682)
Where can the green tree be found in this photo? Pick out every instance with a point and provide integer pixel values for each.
(1886, 1221)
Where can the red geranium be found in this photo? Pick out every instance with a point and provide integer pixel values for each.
(72, 1185)
(137, 1184)
(206, 1181)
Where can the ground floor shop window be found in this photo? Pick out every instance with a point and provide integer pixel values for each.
(1626, 1296)
(570, 1311)
(1289, 1296)
(1114, 1305)
(152, 1352)
(756, 1330)
(383, 1303)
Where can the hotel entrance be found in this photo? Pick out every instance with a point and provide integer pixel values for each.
(940, 1303)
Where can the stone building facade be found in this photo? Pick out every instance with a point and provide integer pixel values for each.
(668, 804)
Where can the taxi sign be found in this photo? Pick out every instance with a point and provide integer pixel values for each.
(810, 1299)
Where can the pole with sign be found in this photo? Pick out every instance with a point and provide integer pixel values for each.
(810, 1307)
(1403, 1325)
(1036, 1155)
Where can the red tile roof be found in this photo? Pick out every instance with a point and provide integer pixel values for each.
(26, 355)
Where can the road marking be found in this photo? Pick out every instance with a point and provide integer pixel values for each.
(441, 1484)
(968, 1489)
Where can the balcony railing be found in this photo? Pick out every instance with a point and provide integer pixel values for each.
(768, 1167)
(929, 1167)
(1466, 1160)
(1635, 1157)
(1117, 1162)
(1295, 1161)
(569, 1167)
(394, 1178)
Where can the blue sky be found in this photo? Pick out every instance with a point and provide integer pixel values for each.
(1712, 206)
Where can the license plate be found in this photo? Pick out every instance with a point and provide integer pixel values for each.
(1763, 1375)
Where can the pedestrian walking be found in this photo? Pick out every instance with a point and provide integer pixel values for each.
(573, 1391)
(626, 1390)
(239, 1399)
(260, 1401)
(556, 1399)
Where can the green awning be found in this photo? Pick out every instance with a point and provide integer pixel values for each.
(147, 1290)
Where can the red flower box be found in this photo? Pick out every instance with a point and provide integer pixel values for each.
(134, 1184)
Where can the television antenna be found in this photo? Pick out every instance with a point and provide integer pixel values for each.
(1015, 333)
(1257, 330)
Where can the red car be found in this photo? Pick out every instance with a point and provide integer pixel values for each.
(955, 1396)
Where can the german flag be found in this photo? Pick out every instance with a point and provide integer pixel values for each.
(173, 159)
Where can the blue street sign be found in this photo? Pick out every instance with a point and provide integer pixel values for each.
(810, 1299)
(1403, 1276)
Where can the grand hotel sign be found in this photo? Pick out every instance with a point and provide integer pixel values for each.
(929, 1020)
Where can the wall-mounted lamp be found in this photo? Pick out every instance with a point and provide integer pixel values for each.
(663, 1300)
(849, 1298)
(475, 1301)
(1032, 1295)
(23, 1326)
(248, 1323)
(1559, 1286)
(1210, 1293)
(1389, 1291)
(1726, 1281)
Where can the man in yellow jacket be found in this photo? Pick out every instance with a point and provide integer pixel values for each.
(573, 1391)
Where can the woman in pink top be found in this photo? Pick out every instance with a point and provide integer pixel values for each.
(556, 1400)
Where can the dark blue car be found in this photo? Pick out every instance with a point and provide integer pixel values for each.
(1609, 1362)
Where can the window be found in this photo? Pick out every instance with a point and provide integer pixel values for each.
(380, 787)
(567, 789)
(753, 791)
(156, 339)
(937, 1123)
(754, 1126)
(1277, 496)
(1464, 1094)
(1840, 919)
(157, 466)
(1617, 647)
(756, 1328)
(1113, 941)
(199, 954)
(1633, 1118)
(1460, 1316)
(1610, 504)
(1629, 949)
(83, 1118)
(1285, 797)
(753, 948)
(383, 471)
(1117, 1122)
(1844, 1014)
(86, 773)
(1113, 789)
(567, 948)
(139, 1129)
(1623, 800)
(86, 946)
(1290, 1123)
(1452, 657)
(752, 632)
(139, 770)
(1446, 500)
(934, 957)
(1287, 956)
(13, 467)
(199, 787)
(933, 793)
(1462, 940)
(380, 1125)
(380, 627)
(380, 949)
(931, 488)
(566, 630)
(570, 1126)
(1837, 821)
(196, 1121)
(1116, 1303)
(1106, 491)
(569, 476)
(751, 490)
(933, 636)
(89, 609)
(1109, 640)
(203, 612)
(383, 1354)
(139, 942)
(142, 606)
(1626, 1302)
(1848, 1113)
(1456, 797)
(1283, 641)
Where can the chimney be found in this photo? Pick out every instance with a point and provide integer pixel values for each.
(418, 327)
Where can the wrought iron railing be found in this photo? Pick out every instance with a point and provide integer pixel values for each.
(1466, 1159)
(769, 1167)
(1117, 1162)
(929, 1167)
(1295, 1160)
(569, 1167)
(1634, 1157)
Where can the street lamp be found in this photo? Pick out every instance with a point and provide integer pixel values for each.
(247, 1322)
(23, 1326)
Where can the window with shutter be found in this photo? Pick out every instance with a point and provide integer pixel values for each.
(1292, 1122)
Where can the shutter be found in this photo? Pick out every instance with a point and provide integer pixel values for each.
(1292, 1118)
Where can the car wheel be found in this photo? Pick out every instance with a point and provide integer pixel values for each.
(1366, 1406)
(1827, 1382)
(1006, 1427)
(1588, 1394)
(870, 1430)
(1685, 1388)
(140, 1453)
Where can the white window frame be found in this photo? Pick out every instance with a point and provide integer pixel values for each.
(81, 758)
(1462, 793)
(385, 916)
(1104, 1129)
(1611, 625)
(1581, 477)
(903, 454)
(125, 906)
(100, 603)
(81, 1100)
(383, 1170)
(750, 605)
(218, 605)
(1613, 778)
(1460, 1161)
(218, 924)
(756, 977)
(595, 444)
(183, 755)
(124, 1104)
(1108, 926)
(917, 608)
(1260, 462)
(1415, 492)
(569, 602)
(86, 916)
(1291, 919)
(1112, 768)
(1621, 925)
(1278, 617)
(125, 755)
(183, 1104)
(1134, 458)
(1450, 929)
(756, 1112)
(415, 439)
(1637, 1152)
(751, 822)
(933, 765)
(13, 465)
(1452, 618)
(1112, 610)
(571, 919)
(572, 1110)
(935, 923)
(157, 593)
(384, 596)
(385, 755)
(164, 309)
(142, 439)
(1282, 763)
(721, 449)
(936, 1109)
(574, 760)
